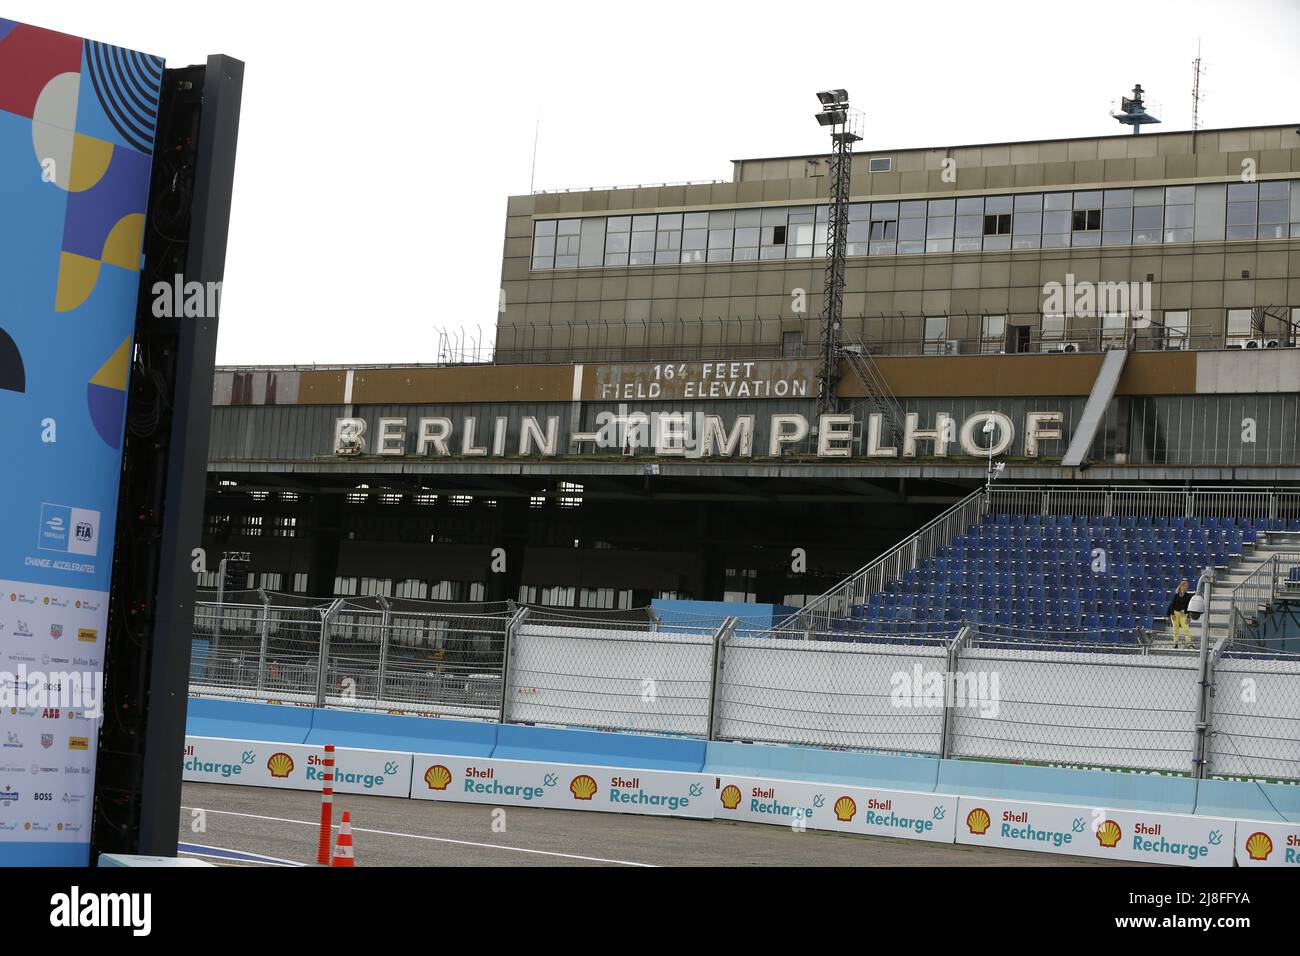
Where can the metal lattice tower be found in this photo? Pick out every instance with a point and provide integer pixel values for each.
(835, 114)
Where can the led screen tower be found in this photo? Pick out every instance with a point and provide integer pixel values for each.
(81, 378)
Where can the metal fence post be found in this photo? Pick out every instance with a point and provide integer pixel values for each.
(1200, 749)
(949, 697)
(266, 633)
(385, 628)
(221, 594)
(720, 638)
(327, 619)
(507, 650)
(1211, 665)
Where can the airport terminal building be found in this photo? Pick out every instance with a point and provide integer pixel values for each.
(1118, 311)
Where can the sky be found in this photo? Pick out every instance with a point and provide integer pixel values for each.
(380, 141)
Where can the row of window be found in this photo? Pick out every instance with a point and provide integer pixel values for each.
(1110, 217)
(266, 580)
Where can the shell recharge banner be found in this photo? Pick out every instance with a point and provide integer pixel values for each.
(262, 763)
(77, 124)
(836, 807)
(524, 783)
(1132, 835)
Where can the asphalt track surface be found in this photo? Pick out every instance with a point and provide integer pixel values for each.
(282, 826)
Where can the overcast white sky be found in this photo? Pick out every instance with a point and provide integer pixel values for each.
(379, 141)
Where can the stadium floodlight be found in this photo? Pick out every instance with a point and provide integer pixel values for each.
(832, 117)
(833, 97)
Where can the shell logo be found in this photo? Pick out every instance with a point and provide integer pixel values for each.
(730, 797)
(583, 787)
(845, 808)
(1259, 845)
(437, 777)
(977, 821)
(1108, 834)
(280, 764)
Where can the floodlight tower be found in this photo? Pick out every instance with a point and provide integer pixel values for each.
(1133, 112)
(835, 114)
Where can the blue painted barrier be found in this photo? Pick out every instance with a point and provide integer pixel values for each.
(886, 771)
(598, 748)
(1249, 800)
(421, 735)
(1133, 791)
(245, 720)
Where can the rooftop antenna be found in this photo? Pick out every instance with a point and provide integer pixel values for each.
(532, 174)
(1133, 112)
(1197, 70)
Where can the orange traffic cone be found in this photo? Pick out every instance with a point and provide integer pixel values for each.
(343, 845)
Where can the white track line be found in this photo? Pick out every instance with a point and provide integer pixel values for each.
(420, 836)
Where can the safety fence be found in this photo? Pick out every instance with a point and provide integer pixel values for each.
(975, 693)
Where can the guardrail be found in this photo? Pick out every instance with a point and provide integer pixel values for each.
(822, 613)
(1278, 578)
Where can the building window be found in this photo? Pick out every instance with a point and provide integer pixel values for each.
(970, 224)
(911, 227)
(668, 239)
(998, 224)
(1243, 210)
(300, 582)
(1053, 329)
(1086, 218)
(741, 585)
(940, 218)
(345, 587)
(880, 164)
(569, 495)
(1241, 325)
(1274, 203)
(270, 580)
(412, 588)
(567, 235)
(748, 233)
(936, 334)
(791, 344)
(207, 579)
(993, 333)
(1057, 219)
(544, 244)
(643, 241)
(618, 240)
(250, 525)
(1180, 213)
(1172, 332)
(1027, 221)
(1113, 327)
(1117, 217)
(695, 236)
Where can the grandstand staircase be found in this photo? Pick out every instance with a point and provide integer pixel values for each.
(1225, 581)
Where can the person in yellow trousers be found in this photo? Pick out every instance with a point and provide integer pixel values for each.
(1178, 611)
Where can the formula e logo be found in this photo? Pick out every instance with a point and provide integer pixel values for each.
(68, 529)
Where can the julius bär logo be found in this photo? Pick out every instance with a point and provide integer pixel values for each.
(437, 777)
(1259, 845)
(280, 764)
(845, 808)
(583, 787)
(1108, 834)
(730, 797)
(977, 821)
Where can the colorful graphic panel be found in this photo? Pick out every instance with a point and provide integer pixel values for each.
(77, 122)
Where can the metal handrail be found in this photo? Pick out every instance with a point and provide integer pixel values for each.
(1259, 590)
(904, 556)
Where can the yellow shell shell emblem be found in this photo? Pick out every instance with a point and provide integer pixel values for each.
(437, 777)
(977, 821)
(730, 797)
(1108, 834)
(582, 787)
(280, 764)
(1259, 846)
(845, 808)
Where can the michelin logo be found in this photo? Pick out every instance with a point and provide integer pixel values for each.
(70, 530)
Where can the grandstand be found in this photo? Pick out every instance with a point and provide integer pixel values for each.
(1063, 573)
